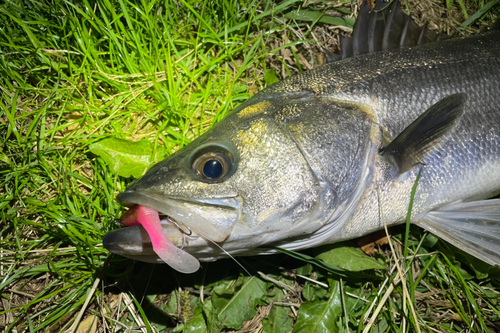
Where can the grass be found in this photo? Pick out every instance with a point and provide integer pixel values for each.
(72, 74)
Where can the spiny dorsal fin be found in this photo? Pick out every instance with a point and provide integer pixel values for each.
(409, 147)
(385, 27)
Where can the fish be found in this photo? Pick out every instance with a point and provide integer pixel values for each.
(333, 153)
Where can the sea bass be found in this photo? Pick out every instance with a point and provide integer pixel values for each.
(332, 154)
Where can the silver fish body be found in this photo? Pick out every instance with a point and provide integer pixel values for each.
(303, 161)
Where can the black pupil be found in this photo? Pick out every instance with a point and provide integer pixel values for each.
(212, 169)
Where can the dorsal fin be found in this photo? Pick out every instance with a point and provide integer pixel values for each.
(385, 27)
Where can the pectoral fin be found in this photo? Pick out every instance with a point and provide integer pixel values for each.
(473, 227)
(409, 147)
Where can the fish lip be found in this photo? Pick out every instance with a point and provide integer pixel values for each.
(210, 218)
(125, 199)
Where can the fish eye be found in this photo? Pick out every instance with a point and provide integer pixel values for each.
(212, 165)
(212, 169)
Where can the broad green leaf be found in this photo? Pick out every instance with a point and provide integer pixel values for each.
(308, 292)
(305, 270)
(196, 324)
(381, 326)
(314, 261)
(320, 316)
(326, 266)
(211, 315)
(347, 257)
(313, 291)
(278, 319)
(430, 240)
(237, 302)
(127, 158)
(465, 275)
(270, 77)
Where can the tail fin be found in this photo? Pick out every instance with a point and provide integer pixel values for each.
(473, 227)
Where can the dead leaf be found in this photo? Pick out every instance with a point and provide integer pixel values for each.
(74, 116)
(54, 53)
(369, 243)
(88, 325)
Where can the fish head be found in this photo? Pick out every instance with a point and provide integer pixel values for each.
(242, 184)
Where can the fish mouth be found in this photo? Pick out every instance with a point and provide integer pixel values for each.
(184, 222)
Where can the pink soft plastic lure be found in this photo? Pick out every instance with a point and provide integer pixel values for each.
(149, 219)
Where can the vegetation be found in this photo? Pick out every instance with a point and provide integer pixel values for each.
(75, 73)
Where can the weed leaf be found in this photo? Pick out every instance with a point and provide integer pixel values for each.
(348, 257)
(278, 320)
(196, 324)
(270, 77)
(236, 301)
(127, 158)
(321, 316)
